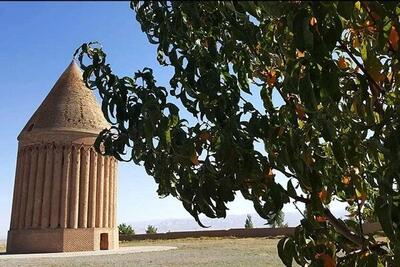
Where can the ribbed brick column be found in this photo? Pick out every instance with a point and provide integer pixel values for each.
(111, 195)
(55, 216)
(74, 199)
(106, 206)
(92, 189)
(84, 187)
(66, 176)
(24, 189)
(100, 192)
(17, 189)
(47, 188)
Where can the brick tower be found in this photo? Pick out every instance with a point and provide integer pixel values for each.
(64, 191)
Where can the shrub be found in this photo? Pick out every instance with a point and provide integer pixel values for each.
(249, 223)
(125, 229)
(151, 229)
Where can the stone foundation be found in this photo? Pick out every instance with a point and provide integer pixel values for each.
(61, 240)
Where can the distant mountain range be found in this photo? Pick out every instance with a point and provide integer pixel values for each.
(231, 221)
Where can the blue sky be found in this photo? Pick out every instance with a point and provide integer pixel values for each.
(37, 44)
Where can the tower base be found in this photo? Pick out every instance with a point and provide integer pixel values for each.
(61, 240)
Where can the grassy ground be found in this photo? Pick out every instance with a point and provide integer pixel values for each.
(191, 252)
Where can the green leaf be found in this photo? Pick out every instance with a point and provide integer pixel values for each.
(331, 30)
(370, 260)
(280, 246)
(290, 188)
(328, 130)
(345, 9)
(307, 93)
(364, 49)
(167, 135)
(173, 121)
(303, 37)
(286, 250)
(266, 98)
(329, 82)
(384, 213)
(337, 149)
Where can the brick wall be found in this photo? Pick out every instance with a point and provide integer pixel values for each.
(255, 232)
(78, 239)
(238, 232)
(59, 240)
(31, 241)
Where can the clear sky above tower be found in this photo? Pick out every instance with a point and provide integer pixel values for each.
(37, 44)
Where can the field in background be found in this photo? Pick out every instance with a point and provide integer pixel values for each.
(191, 252)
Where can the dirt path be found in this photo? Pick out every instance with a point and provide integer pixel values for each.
(190, 252)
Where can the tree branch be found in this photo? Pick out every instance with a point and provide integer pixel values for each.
(343, 230)
(287, 174)
(261, 62)
(302, 199)
(359, 216)
(298, 198)
(302, 214)
(361, 66)
(278, 88)
(365, 6)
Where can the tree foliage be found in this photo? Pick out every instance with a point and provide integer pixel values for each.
(248, 224)
(125, 229)
(151, 229)
(309, 90)
(278, 220)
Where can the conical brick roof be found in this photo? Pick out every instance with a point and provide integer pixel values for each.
(70, 106)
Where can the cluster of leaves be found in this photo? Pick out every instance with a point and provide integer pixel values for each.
(125, 229)
(368, 213)
(151, 229)
(327, 116)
